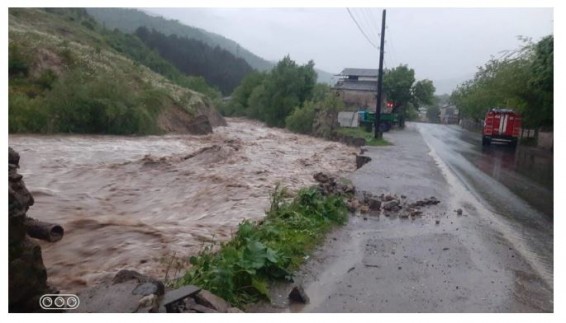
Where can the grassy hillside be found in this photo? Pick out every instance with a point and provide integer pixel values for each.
(129, 20)
(65, 75)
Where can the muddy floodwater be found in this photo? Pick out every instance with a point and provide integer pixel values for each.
(140, 202)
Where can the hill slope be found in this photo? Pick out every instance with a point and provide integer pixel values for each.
(65, 77)
(128, 20)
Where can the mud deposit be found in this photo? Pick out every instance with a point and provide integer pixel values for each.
(139, 202)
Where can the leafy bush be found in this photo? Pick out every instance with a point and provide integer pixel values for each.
(271, 97)
(105, 103)
(18, 61)
(46, 79)
(301, 119)
(27, 115)
(240, 271)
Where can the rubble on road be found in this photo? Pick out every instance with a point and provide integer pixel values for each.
(388, 204)
(328, 185)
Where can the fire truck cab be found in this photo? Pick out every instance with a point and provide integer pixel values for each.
(501, 125)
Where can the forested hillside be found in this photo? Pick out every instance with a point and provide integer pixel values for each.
(193, 57)
(129, 20)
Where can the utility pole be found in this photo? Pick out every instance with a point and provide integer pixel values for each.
(378, 133)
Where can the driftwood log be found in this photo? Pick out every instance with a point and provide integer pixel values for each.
(43, 230)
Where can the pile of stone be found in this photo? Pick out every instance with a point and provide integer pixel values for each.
(388, 204)
(27, 274)
(328, 185)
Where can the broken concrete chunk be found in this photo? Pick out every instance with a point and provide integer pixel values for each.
(202, 309)
(234, 310)
(390, 205)
(374, 204)
(298, 295)
(416, 213)
(114, 298)
(208, 299)
(172, 297)
(145, 289)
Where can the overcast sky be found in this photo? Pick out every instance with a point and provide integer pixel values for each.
(444, 45)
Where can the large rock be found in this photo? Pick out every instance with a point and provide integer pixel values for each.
(212, 301)
(26, 272)
(128, 292)
(110, 298)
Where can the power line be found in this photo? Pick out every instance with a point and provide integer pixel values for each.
(372, 32)
(374, 25)
(360, 28)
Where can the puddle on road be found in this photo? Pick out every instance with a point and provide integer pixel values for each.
(143, 202)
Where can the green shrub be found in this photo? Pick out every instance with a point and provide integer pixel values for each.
(241, 270)
(18, 61)
(301, 119)
(46, 79)
(25, 114)
(105, 103)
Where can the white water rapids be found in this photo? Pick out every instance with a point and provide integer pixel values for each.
(135, 202)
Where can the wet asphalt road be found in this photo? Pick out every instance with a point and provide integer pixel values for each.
(495, 257)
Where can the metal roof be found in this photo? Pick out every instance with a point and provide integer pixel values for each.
(357, 85)
(367, 72)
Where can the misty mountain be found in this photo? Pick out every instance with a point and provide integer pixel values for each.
(129, 20)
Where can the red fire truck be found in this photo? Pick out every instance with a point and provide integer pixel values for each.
(501, 125)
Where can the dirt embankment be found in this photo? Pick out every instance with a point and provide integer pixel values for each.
(139, 202)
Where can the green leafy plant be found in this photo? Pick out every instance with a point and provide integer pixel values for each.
(241, 269)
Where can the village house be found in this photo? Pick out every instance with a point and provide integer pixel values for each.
(357, 87)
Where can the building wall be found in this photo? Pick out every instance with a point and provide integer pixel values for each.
(358, 99)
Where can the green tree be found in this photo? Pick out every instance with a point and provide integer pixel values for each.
(239, 100)
(423, 93)
(398, 83)
(302, 118)
(399, 86)
(522, 80)
(287, 86)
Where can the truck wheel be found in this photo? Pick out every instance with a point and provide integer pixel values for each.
(486, 141)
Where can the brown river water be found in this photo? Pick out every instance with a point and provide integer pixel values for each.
(147, 203)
